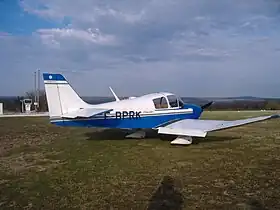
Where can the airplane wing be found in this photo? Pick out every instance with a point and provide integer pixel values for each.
(85, 113)
(200, 128)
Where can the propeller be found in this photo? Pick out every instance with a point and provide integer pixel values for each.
(207, 105)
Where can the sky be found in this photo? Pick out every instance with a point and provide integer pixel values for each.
(196, 48)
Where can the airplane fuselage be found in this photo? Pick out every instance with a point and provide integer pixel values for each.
(135, 113)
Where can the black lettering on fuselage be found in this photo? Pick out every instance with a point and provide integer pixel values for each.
(124, 114)
(138, 115)
(118, 115)
(127, 115)
(131, 115)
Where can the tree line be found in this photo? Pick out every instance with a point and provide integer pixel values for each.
(268, 104)
(14, 104)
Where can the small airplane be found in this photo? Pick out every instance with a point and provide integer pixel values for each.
(164, 112)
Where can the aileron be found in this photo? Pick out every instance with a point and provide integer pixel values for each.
(182, 132)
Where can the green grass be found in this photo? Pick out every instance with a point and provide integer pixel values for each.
(48, 167)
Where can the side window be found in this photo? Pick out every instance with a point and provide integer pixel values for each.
(172, 100)
(163, 103)
(160, 103)
(157, 103)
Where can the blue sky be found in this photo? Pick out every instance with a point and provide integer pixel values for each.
(16, 21)
(192, 48)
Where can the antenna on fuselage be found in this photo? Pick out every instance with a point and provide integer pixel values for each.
(116, 97)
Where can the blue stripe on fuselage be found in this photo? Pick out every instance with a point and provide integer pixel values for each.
(142, 122)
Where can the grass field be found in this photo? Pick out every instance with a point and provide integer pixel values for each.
(48, 167)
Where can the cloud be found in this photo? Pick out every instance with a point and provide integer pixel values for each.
(196, 48)
(51, 36)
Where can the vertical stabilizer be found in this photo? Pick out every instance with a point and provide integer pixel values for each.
(61, 97)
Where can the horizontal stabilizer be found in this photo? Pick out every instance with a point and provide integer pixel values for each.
(199, 128)
(85, 113)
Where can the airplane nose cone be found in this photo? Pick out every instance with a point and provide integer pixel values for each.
(197, 110)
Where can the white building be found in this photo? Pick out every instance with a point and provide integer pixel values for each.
(1, 108)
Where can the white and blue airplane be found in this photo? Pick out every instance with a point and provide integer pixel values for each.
(164, 112)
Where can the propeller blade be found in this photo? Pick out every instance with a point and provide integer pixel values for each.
(207, 105)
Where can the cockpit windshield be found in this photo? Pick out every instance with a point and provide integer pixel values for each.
(171, 101)
(175, 101)
(181, 103)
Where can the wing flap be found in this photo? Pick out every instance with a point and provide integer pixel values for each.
(182, 132)
(85, 113)
(200, 128)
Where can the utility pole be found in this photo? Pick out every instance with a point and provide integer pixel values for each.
(22, 107)
(38, 99)
(35, 90)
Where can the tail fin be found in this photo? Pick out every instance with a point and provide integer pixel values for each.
(61, 97)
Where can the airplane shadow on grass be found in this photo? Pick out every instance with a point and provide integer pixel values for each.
(169, 197)
(209, 139)
(166, 197)
(117, 134)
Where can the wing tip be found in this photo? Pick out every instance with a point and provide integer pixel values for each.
(275, 116)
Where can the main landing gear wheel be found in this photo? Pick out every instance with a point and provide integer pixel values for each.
(140, 134)
(182, 140)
